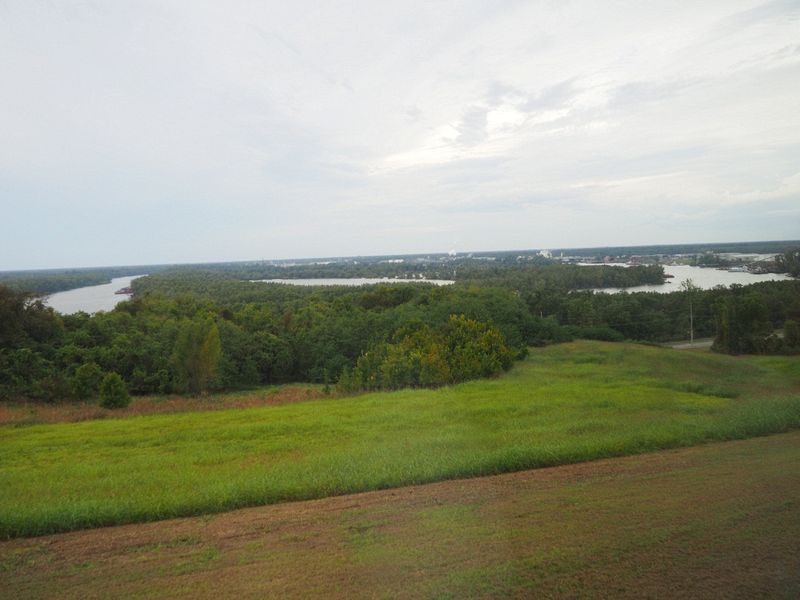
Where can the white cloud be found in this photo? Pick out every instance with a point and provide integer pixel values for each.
(463, 117)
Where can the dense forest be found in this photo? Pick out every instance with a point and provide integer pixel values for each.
(57, 280)
(765, 247)
(195, 330)
(191, 343)
(461, 267)
(236, 282)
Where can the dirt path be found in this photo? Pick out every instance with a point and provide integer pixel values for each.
(715, 521)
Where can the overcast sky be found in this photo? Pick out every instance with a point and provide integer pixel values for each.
(136, 132)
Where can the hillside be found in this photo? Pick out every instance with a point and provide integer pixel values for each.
(563, 404)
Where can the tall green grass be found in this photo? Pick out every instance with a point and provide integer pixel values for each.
(567, 403)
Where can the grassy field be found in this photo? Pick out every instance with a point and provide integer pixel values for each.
(564, 404)
(712, 521)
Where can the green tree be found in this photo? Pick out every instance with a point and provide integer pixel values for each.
(476, 349)
(434, 368)
(196, 356)
(791, 335)
(688, 286)
(273, 357)
(789, 262)
(86, 381)
(113, 393)
(742, 325)
(462, 349)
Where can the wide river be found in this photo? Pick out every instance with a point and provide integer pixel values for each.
(91, 299)
(704, 278)
(103, 297)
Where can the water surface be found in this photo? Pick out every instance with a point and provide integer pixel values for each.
(703, 278)
(91, 299)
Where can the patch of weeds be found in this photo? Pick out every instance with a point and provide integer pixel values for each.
(183, 540)
(366, 526)
(447, 516)
(364, 537)
(178, 542)
(20, 558)
(269, 527)
(206, 519)
(256, 546)
(198, 560)
(83, 566)
(209, 553)
(696, 387)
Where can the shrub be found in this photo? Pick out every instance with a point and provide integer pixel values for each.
(113, 393)
(601, 333)
(196, 356)
(86, 381)
(462, 349)
(791, 335)
(51, 388)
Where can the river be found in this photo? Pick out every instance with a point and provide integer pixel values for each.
(703, 278)
(103, 297)
(91, 299)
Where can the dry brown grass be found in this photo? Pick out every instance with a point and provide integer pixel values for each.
(71, 412)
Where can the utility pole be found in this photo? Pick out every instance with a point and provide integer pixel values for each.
(689, 286)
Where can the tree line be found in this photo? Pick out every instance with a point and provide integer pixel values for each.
(188, 343)
(42, 282)
(197, 331)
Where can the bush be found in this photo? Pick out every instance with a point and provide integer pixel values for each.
(113, 393)
(791, 335)
(462, 349)
(50, 388)
(602, 333)
(86, 381)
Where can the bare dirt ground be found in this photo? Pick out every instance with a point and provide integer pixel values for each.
(714, 521)
(71, 412)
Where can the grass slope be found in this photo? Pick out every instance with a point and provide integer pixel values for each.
(564, 404)
(714, 521)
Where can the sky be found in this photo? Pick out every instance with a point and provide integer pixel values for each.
(144, 132)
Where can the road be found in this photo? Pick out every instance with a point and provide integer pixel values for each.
(703, 343)
(697, 345)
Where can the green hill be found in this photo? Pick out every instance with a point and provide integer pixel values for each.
(567, 403)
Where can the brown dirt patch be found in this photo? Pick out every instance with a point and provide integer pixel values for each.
(70, 412)
(715, 521)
